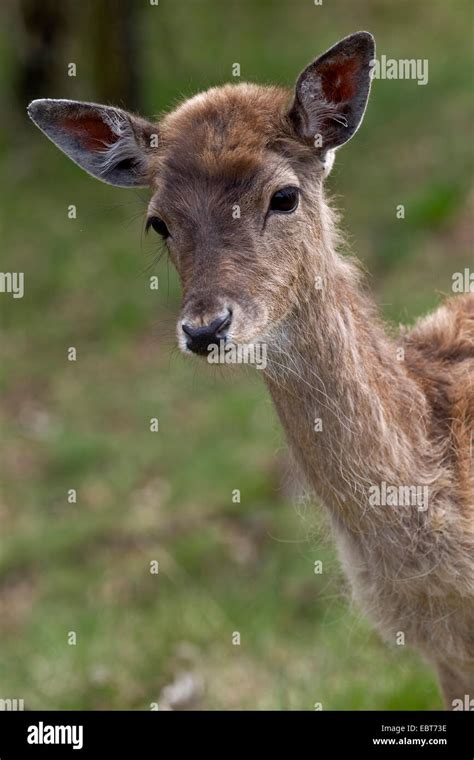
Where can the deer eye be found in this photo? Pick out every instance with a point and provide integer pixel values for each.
(285, 200)
(158, 225)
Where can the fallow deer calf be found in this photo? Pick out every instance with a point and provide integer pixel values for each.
(396, 412)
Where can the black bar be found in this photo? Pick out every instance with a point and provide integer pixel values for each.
(156, 734)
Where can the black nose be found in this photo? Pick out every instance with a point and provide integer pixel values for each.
(198, 339)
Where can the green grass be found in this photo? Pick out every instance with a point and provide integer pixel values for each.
(167, 496)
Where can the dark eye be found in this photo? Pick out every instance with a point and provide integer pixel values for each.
(158, 225)
(285, 200)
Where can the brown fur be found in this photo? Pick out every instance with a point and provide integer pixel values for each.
(404, 422)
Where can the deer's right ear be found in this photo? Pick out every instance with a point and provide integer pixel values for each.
(331, 93)
(111, 144)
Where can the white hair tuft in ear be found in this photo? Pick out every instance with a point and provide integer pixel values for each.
(328, 162)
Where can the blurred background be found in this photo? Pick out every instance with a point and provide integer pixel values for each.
(224, 567)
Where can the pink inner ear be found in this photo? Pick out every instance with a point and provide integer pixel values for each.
(92, 132)
(339, 79)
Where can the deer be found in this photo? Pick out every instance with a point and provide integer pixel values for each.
(395, 406)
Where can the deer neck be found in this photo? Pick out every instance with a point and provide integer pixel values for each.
(353, 414)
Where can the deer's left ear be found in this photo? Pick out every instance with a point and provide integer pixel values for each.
(331, 93)
(109, 143)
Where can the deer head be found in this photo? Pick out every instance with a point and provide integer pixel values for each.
(236, 176)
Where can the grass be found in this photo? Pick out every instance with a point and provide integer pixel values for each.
(224, 567)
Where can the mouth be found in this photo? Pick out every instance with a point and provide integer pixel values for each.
(228, 351)
(205, 348)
